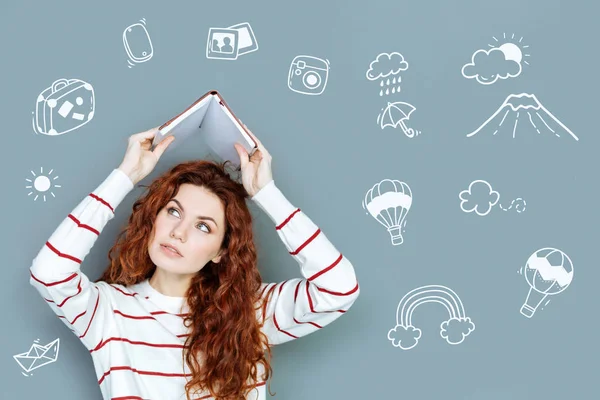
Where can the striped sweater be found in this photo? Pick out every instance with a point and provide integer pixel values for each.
(135, 334)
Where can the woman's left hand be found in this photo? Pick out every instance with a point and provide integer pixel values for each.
(256, 170)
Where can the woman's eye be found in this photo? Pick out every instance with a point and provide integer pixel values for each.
(177, 211)
(207, 228)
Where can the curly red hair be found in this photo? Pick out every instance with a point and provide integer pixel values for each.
(225, 331)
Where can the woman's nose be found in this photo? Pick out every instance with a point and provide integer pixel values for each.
(178, 232)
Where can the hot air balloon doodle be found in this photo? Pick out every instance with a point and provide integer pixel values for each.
(548, 272)
(395, 114)
(389, 202)
(455, 329)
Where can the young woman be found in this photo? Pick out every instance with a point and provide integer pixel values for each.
(181, 311)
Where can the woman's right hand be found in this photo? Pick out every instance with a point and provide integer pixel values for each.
(139, 160)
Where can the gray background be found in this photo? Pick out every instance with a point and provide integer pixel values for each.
(327, 152)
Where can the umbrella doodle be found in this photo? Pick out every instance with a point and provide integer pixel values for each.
(395, 115)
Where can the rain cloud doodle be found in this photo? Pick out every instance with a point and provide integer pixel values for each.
(383, 66)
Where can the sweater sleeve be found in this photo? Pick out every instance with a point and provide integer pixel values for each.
(55, 272)
(298, 307)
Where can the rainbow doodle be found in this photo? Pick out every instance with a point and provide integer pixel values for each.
(406, 336)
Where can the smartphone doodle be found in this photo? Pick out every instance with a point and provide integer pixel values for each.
(137, 43)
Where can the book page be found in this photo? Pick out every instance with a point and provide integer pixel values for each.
(186, 127)
(220, 133)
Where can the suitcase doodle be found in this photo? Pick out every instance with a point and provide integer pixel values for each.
(65, 106)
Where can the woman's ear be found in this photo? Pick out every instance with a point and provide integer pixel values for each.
(217, 258)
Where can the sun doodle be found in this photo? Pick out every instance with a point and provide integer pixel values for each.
(42, 184)
(513, 50)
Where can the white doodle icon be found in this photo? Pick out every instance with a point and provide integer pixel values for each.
(308, 75)
(229, 43)
(406, 336)
(38, 356)
(500, 62)
(137, 43)
(384, 65)
(395, 115)
(523, 113)
(389, 202)
(66, 105)
(548, 272)
(480, 198)
(41, 184)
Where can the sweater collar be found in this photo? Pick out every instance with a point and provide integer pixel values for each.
(170, 304)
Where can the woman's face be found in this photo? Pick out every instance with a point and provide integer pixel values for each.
(193, 222)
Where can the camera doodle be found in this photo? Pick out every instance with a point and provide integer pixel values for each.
(308, 75)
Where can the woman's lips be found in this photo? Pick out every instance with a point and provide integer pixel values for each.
(168, 251)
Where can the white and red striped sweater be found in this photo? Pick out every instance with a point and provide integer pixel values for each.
(135, 334)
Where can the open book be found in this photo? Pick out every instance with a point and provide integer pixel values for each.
(212, 119)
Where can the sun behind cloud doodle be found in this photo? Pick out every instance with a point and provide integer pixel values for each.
(499, 62)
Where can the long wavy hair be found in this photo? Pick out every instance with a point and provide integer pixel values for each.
(225, 331)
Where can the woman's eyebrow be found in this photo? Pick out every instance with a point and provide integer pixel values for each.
(199, 216)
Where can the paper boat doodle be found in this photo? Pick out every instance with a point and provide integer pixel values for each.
(38, 356)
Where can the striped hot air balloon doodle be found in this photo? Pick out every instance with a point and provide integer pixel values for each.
(548, 272)
(455, 329)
